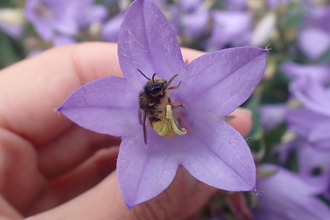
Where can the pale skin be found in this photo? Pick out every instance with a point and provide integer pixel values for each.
(51, 168)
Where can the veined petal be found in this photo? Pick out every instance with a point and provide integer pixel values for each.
(144, 171)
(216, 154)
(222, 79)
(99, 106)
(147, 42)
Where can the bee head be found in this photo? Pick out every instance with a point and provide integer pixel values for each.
(155, 86)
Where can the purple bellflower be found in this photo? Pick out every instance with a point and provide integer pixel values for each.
(51, 16)
(272, 115)
(311, 125)
(90, 13)
(110, 29)
(212, 86)
(314, 162)
(314, 37)
(230, 27)
(289, 196)
(319, 72)
(315, 97)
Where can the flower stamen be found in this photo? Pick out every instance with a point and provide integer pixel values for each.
(164, 130)
(169, 116)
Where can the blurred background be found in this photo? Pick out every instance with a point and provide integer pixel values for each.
(290, 138)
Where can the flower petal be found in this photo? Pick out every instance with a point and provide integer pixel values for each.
(219, 156)
(319, 136)
(222, 79)
(290, 196)
(318, 72)
(144, 171)
(99, 106)
(312, 94)
(147, 42)
(310, 159)
(303, 121)
(313, 42)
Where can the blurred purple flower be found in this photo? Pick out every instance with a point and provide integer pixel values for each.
(288, 196)
(311, 125)
(318, 72)
(212, 87)
(235, 5)
(275, 3)
(312, 94)
(230, 28)
(34, 53)
(311, 159)
(60, 40)
(50, 16)
(272, 115)
(89, 13)
(111, 28)
(314, 37)
(284, 150)
(314, 42)
(15, 31)
(194, 20)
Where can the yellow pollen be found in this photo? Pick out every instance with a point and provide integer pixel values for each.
(169, 127)
(169, 116)
(164, 129)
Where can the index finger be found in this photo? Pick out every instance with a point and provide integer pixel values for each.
(30, 90)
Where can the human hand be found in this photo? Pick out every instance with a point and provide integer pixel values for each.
(51, 168)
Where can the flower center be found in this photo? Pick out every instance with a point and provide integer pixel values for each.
(168, 127)
(42, 10)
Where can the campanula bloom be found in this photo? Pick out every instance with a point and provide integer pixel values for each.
(211, 87)
(289, 196)
(89, 13)
(318, 72)
(272, 115)
(51, 16)
(230, 28)
(312, 125)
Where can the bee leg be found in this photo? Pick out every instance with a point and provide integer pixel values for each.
(170, 81)
(175, 87)
(177, 104)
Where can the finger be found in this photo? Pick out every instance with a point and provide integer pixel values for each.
(241, 121)
(180, 200)
(69, 150)
(20, 180)
(77, 181)
(31, 89)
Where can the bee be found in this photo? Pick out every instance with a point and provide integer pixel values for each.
(153, 100)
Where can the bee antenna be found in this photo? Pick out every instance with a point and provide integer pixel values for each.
(153, 77)
(143, 74)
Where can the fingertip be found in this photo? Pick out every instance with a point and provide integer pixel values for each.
(241, 121)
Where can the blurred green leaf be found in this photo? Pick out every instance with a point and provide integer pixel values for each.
(10, 50)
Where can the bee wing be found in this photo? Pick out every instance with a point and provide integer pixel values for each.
(142, 119)
(141, 116)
